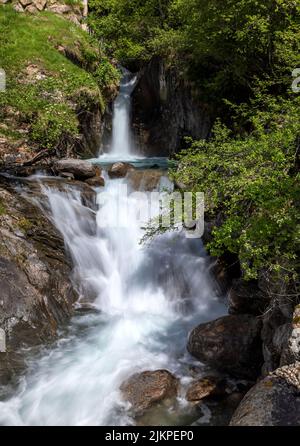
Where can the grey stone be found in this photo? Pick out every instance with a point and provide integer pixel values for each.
(230, 343)
(79, 168)
(143, 390)
(274, 401)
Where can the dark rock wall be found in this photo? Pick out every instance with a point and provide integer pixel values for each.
(165, 110)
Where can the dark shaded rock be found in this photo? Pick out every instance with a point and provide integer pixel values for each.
(90, 116)
(224, 270)
(274, 401)
(119, 170)
(208, 386)
(246, 297)
(231, 344)
(165, 110)
(145, 389)
(272, 320)
(281, 338)
(234, 399)
(79, 168)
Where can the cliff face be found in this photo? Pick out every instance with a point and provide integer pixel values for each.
(37, 295)
(165, 110)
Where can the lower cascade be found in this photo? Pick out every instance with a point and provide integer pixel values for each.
(138, 304)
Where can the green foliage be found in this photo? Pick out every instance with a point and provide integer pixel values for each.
(49, 103)
(126, 28)
(252, 183)
(222, 46)
(233, 42)
(106, 73)
(54, 124)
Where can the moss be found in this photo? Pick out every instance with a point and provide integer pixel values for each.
(268, 383)
(47, 60)
(24, 224)
(296, 320)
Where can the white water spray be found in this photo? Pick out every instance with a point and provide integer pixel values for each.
(122, 141)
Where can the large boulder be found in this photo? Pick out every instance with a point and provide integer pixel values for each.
(119, 170)
(145, 389)
(276, 333)
(81, 169)
(231, 344)
(274, 401)
(247, 298)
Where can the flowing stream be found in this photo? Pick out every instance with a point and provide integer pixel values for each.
(122, 144)
(138, 303)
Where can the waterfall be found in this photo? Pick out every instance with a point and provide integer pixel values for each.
(137, 305)
(122, 142)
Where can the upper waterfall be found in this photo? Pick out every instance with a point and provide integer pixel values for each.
(122, 142)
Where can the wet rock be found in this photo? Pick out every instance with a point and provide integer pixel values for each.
(246, 298)
(231, 344)
(119, 170)
(165, 110)
(234, 399)
(145, 389)
(209, 386)
(274, 401)
(96, 182)
(81, 169)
